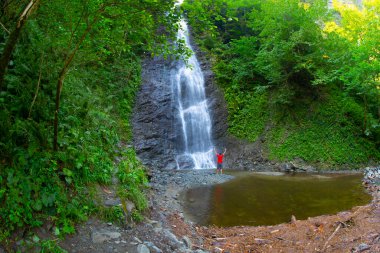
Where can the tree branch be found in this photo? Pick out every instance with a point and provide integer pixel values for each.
(37, 89)
(5, 28)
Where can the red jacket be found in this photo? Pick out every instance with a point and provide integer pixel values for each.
(220, 157)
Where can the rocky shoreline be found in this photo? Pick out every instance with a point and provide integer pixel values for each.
(166, 229)
(354, 230)
(167, 186)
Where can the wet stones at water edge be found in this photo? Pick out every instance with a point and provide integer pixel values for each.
(372, 175)
(371, 181)
(134, 244)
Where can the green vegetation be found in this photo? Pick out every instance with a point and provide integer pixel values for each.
(69, 71)
(304, 77)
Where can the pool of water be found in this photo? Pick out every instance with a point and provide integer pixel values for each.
(272, 198)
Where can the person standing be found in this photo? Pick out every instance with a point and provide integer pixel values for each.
(219, 162)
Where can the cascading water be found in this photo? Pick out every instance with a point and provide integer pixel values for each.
(188, 88)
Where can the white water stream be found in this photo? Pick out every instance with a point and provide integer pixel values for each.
(188, 87)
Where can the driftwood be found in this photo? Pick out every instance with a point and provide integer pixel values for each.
(285, 240)
(332, 235)
(198, 247)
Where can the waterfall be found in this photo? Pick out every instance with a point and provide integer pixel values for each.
(188, 87)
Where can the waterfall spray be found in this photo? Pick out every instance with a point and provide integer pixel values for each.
(188, 87)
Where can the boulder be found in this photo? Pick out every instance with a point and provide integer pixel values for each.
(141, 248)
(104, 235)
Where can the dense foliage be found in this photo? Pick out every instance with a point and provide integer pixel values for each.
(66, 99)
(300, 74)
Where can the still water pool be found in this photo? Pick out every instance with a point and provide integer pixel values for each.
(272, 198)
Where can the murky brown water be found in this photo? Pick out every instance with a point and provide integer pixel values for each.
(261, 199)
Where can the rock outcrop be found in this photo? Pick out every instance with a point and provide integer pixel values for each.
(155, 130)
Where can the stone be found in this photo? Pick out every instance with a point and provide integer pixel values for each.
(155, 249)
(184, 250)
(130, 206)
(218, 250)
(187, 242)
(363, 247)
(141, 248)
(172, 239)
(148, 244)
(171, 166)
(137, 240)
(104, 235)
(157, 230)
(185, 162)
(112, 202)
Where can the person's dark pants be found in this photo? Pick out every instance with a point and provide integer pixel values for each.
(219, 167)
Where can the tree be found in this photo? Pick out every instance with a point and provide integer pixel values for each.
(14, 36)
(115, 26)
(358, 65)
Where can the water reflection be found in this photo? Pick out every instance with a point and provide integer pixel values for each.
(257, 199)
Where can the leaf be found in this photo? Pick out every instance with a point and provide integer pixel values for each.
(67, 172)
(57, 232)
(36, 239)
(37, 205)
(68, 180)
(68, 228)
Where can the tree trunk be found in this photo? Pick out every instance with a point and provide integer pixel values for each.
(12, 40)
(61, 77)
(57, 103)
(365, 115)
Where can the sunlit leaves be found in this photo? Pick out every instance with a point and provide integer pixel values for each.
(300, 53)
(359, 65)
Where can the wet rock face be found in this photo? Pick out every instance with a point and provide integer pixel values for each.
(156, 131)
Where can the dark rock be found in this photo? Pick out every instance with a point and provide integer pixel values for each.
(173, 241)
(112, 202)
(187, 242)
(155, 138)
(185, 162)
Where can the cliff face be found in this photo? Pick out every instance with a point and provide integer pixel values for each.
(158, 131)
(155, 128)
